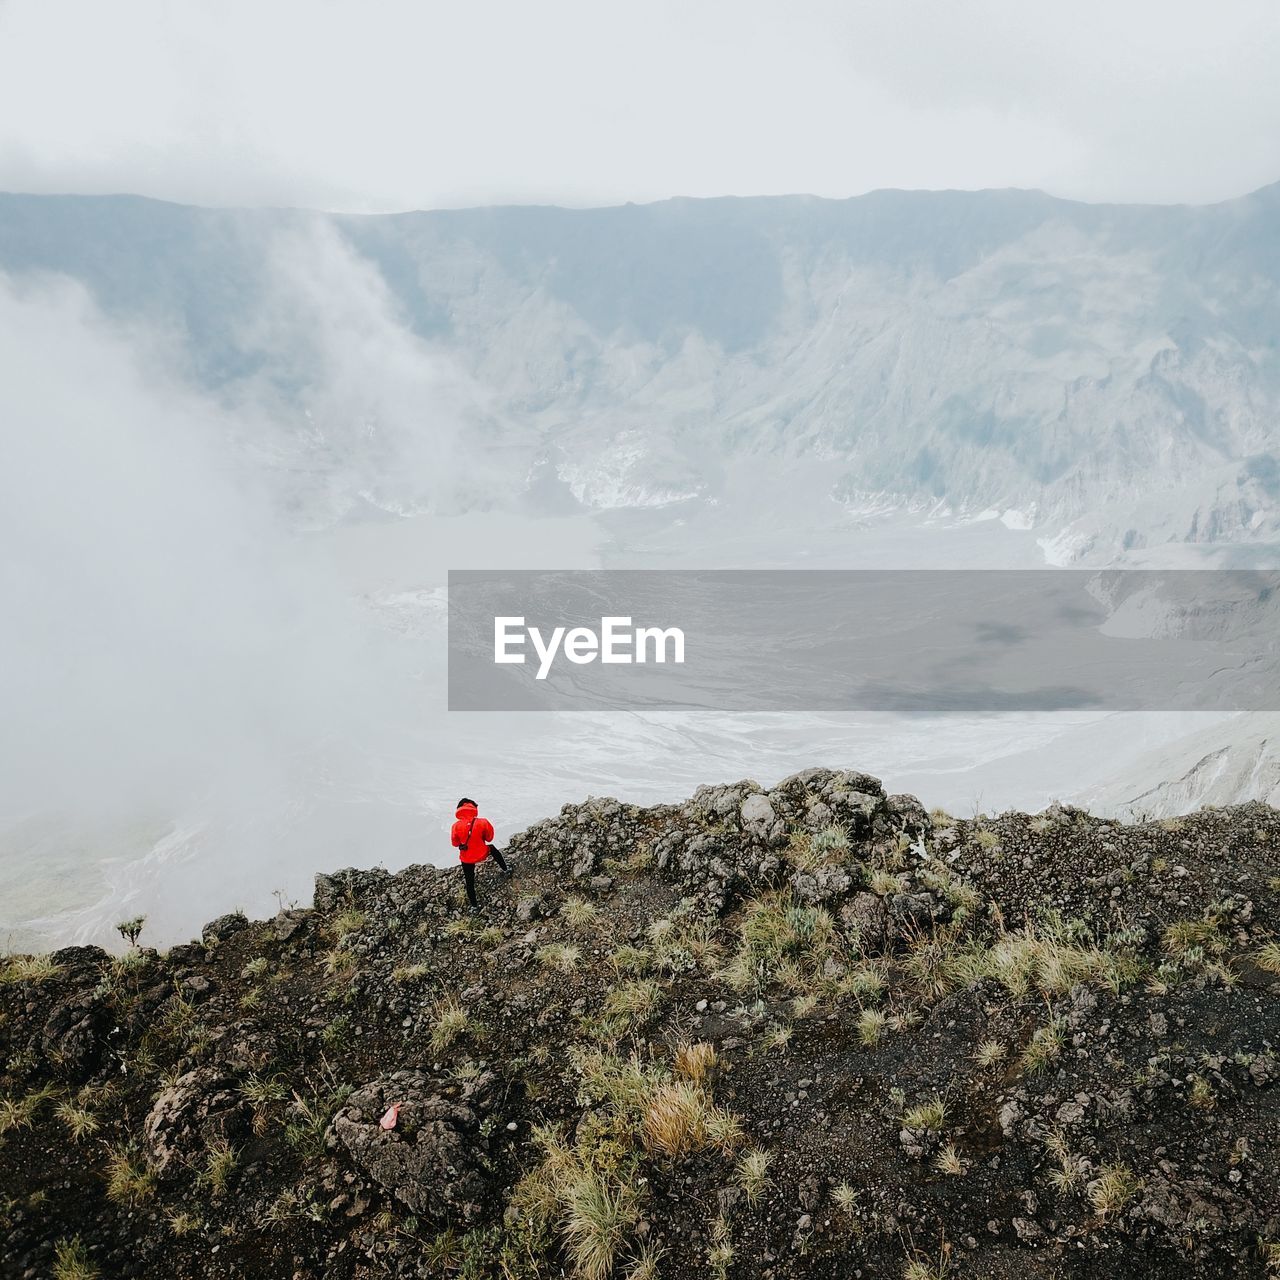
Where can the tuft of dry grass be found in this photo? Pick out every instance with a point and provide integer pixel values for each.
(1113, 1189)
(452, 1021)
(1186, 936)
(588, 1188)
(930, 1115)
(802, 1006)
(696, 1061)
(809, 851)
(305, 1131)
(845, 1196)
(866, 983)
(721, 1253)
(724, 1130)
(871, 1025)
(990, 1052)
(129, 1181)
(182, 1223)
(578, 912)
(71, 1261)
(753, 1174)
(1044, 1049)
(80, 1121)
(1201, 1095)
(29, 969)
(675, 1121)
(644, 1266)
(347, 922)
(626, 1084)
(632, 960)
(885, 883)
(636, 1001)
(220, 1163)
(20, 1113)
(561, 956)
(923, 1267)
(1071, 1168)
(780, 940)
(338, 962)
(598, 1213)
(778, 1037)
(260, 1092)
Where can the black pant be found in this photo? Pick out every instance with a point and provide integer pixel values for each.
(469, 874)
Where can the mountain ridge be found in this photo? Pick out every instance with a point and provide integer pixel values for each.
(755, 1034)
(1269, 190)
(1112, 371)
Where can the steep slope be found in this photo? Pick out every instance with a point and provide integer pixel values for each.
(1227, 763)
(810, 1032)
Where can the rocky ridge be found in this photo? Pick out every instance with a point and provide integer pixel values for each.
(807, 1031)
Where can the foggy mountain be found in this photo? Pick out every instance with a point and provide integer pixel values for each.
(1109, 375)
(239, 449)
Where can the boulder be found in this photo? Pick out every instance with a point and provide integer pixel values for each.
(866, 921)
(287, 923)
(350, 886)
(432, 1160)
(223, 927)
(200, 1107)
(529, 908)
(758, 817)
(74, 1033)
(80, 961)
(821, 885)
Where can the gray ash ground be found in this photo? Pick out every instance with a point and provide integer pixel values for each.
(809, 1032)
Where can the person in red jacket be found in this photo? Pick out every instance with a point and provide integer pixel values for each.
(471, 835)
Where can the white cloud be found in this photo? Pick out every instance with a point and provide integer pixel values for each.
(399, 104)
(182, 674)
(383, 409)
(165, 625)
(155, 621)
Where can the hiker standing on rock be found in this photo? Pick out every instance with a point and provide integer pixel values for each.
(470, 836)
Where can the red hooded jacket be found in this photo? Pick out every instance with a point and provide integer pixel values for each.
(475, 849)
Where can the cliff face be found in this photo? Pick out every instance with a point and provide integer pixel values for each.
(813, 1031)
(1107, 371)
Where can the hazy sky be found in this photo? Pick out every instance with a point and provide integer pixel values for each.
(388, 104)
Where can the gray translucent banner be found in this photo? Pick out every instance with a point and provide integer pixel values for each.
(918, 642)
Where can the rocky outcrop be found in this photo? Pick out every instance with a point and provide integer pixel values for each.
(1041, 1046)
(199, 1108)
(74, 1034)
(725, 841)
(224, 927)
(432, 1160)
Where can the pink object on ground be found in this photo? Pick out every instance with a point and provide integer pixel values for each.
(388, 1121)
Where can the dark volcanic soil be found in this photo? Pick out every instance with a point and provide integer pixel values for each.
(808, 1032)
